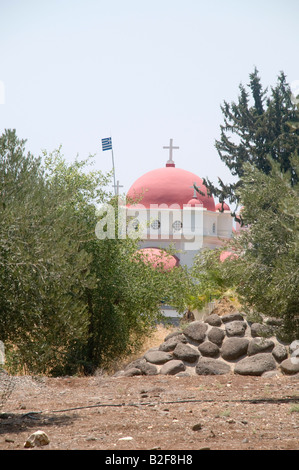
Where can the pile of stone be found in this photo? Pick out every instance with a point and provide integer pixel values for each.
(219, 345)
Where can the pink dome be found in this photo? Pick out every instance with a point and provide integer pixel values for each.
(194, 202)
(227, 254)
(218, 207)
(158, 258)
(169, 185)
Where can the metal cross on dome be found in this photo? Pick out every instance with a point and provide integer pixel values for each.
(116, 187)
(194, 190)
(171, 147)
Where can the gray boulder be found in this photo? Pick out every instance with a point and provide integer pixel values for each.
(209, 349)
(171, 343)
(234, 348)
(280, 352)
(235, 328)
(196, 331)
(142, 365)
(171, 335)
(273, 321)
(235, 316)
(255, 365)
(148, 369)
(157, 357)
(213, 320)
(135, 364)
(186, 352)
(290, 366)
(294, 346)
(210, 366)
(173, 367)
(259, 345)
(258, 329)
(131, 372)
(216, 335)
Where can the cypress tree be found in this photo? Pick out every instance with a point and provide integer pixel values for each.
(261, 123)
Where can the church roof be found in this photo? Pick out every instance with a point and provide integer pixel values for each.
(227, 254)
(194, 202)
(158, 258)
(169, 185)
(218, 207)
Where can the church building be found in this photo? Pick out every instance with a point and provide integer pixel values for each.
(165, 209)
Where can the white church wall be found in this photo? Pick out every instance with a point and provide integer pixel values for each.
(210, 224)
(200, 229)
(225, 224)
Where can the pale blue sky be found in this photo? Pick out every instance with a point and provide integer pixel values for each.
(144, 71)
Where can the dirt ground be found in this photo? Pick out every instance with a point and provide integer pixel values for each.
(155, 413)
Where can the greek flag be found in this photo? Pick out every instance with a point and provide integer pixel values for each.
(107, 144)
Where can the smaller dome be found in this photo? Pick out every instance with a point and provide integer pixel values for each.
(218, 206)
(158, 258)
(227, 255)
(194, 202)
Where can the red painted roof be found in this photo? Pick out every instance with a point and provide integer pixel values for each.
(169, 185)
(158, 258)
(227, 254)
(194, 202)
(219, 206)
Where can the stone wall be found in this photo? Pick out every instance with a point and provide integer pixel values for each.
(219, 345)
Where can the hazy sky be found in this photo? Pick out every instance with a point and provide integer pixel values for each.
(73, 72)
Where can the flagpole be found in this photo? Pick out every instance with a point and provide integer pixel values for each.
(113, 170)
(113, 166)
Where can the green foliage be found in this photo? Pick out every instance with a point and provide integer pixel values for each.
(124, 306)
(209, 282)
(68, 300)
(266, 271)
(42, 268)
(259, 143)
(258, 125)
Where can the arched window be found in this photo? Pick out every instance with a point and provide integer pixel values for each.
(156, 224)
(177, 225)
